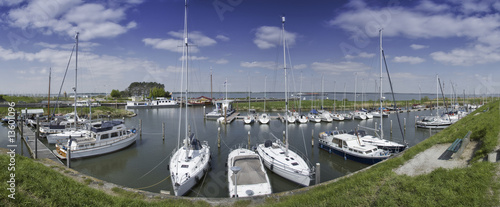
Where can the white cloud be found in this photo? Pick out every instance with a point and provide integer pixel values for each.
(194, 58)
(220, 61)
(338, 68)
(300, 67)
(256, 64)
(175, 45)
(472, 21)
(268, 37)
(418, 47)
(222, 38)
(407, 59)
(360, 55)
(65, 17)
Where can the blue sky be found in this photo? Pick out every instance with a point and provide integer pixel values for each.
(136, 40)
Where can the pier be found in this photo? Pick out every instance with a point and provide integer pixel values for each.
(37, 150)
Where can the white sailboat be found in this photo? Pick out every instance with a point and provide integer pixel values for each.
(277, 156)
(335, 115)
(191, 161)
(264, 117)
(380, 142)
(325, 115)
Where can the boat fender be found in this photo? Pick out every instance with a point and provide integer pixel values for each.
(330, 151)
(272, 166)
(133, 131)
(197, 179)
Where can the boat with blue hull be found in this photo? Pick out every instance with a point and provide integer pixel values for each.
(351, 147)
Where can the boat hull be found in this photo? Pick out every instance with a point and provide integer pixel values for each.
(99, 150)
(347, 155)
(301, 179)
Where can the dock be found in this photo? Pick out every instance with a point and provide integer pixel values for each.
(28, 136)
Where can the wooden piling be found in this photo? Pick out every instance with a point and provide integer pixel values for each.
(163, 130)
(284, 137)
(218, 137)
(317, 173)
(140, 128)
(68, 157)
(225, 115)
(312, 137)
(391, 126)
(248, 147)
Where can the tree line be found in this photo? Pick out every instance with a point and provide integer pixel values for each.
(144, 89)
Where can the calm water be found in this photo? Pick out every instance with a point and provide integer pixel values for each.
(145, 163)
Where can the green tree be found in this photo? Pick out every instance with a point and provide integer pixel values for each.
(115, 93)
(156, 92)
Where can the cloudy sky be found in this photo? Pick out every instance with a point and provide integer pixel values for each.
(136, 40)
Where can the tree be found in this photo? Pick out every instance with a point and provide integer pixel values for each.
(156, 92)
(115, 93)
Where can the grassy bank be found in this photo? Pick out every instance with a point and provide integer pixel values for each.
(476, 185)
(101, 111)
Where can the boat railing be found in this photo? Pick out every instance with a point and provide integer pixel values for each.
(88, 145)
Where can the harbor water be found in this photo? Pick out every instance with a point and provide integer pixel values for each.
(144, 165)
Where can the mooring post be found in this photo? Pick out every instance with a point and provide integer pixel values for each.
(430, 132)
(37, 134)
(404, 120)
(189, 129)
(225, 115)
(284, 137)
(140, 128)
(204, 111)
(218, 137)
(317, 173)
(68, 157)
(312, 137)
(163, 130)
(248, 140)
(391, 126)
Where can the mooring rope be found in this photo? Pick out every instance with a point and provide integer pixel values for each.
(153, 184)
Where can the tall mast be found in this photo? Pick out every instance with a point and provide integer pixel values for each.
(322, 91)
(265, 90)
(355, 88)
(186, 56)
(381, 94)
(76, 75)
(437, 95)
(48, 101)
(211, 84)
(286, 89)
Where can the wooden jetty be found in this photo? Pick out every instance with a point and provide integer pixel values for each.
(40, 151)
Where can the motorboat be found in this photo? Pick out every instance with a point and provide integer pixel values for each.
(246, 174)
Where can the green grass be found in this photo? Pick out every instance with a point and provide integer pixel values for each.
(38, 185)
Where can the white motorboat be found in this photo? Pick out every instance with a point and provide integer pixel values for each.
(337, 117)
(277, 156)
(218, 111)
(384, 144)
(160, 102)
(246, 175)
(432, 122)
(249, 119)
(109, 137)
(191, 160)
(325, 116)
(264, 118)
(359, 115)
(351, 147)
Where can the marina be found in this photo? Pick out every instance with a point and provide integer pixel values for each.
(145, 163)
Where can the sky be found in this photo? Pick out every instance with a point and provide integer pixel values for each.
(330, 45)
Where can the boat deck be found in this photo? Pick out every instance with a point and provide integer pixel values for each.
(251, 172)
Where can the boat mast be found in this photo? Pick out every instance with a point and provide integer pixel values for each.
(334, 97)
(381, 94)
(48, 101)
(300, 96)
(322, 91)
(76, 75)
(286, 89)
(437, 95)
(211, 84)
(186, 55)
(355, 88)
(265, 89)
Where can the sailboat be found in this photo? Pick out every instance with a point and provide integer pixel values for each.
(264, 117)
(277, 156)
(191, 161)
(324, 115)
(335, 116)
(434, 122)
(380, 142)
(301, 118)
